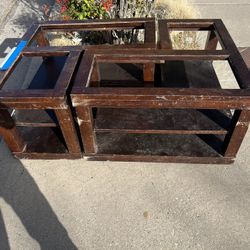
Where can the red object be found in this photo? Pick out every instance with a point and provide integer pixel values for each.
(63, 4)
(107, 4)
(63, 9)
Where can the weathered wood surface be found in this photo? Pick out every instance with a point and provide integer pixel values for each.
(133, 102)
(162, 121)
(131, 120)
(36, 131)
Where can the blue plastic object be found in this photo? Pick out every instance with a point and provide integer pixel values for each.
(11, 57)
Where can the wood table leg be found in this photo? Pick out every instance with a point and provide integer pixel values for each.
(239, 126)
(85, 121)
(66, 122)
(165, 41)
(96, 75)
(245, 53)
(41, 39)
(148, 74)
(212, 41)
(10, 133)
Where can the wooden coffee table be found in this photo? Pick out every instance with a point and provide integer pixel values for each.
(134, 102)
(36, 118)
(182, 114)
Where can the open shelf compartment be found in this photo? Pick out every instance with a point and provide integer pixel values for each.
(160, 132)
(43, 140)
(34, 102)
(155, 144)
(162, 121)
(34, 118)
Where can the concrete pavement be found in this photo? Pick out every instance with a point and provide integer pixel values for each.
(104, 205)
(15, 17)
(235, 15)
(5, 9)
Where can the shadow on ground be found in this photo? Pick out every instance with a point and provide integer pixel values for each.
(3, 236)
(20, 191)
(33, 10)
(8, 43)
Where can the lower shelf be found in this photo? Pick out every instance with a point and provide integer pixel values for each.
(162, 121)
(157, 135)
(161, 145)
(160, 158)
(47, 156)
(44, 143)
(47, 143)
(40, 140)
(197, 149)
(34, 118)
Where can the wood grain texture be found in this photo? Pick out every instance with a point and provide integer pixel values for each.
(66, 122)
(133, 102)
(37, 134)
(9, 132)
(85, 121)
(238, 130)
(162, 121)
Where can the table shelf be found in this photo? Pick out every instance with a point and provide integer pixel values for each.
(153, 144)
(34, 101)
(43, 142)
(49, 140)
(34, 118)
(162, 121)
(128, 102)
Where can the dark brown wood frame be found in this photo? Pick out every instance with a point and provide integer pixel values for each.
(38, 32)
(44, 99)
(56, 99)
(218, 33)
(85, 98)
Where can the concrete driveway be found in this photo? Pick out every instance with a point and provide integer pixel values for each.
(235, 15)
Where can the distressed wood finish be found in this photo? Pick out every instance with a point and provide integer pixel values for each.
(164, 36)
(212, 41)
(159, 158)
(245, 52)
(66, 123)
(9, 132)
(42, 125)
(237, 132)
(41, 39)
(126, 125)
(148, 74)
(85, 121)
(55, 99)
(137, 113)
(146, 24)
